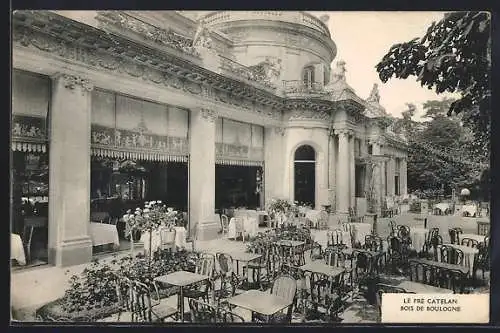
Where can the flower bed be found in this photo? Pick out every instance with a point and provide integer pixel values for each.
(92, 294)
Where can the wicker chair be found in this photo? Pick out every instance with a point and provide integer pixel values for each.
(469, 242)
(229, 280)
(455, 235)
(224, 221)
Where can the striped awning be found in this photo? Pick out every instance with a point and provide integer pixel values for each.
(138, 155)
(222, 161)
(31, 147)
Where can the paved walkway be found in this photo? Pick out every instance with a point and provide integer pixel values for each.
(34, 287)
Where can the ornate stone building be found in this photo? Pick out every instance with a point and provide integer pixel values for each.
(249, 89)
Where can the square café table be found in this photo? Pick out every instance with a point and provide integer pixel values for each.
(244, 257)
(260, 302)
(322, 268)
(181, 279)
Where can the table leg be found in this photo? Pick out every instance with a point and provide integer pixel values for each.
(181, 303)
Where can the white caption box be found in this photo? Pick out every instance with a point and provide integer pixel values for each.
(435, 308)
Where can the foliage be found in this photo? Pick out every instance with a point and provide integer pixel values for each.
(278, 206)
(150, 218)
(262, 240)
(453, 56)
(433, 173)
(95, 286)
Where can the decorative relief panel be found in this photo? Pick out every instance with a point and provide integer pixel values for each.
(119, 138)
(29, 127)
(308, 115)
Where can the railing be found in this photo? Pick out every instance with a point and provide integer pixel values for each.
(301, 87)
(284, 16)
(253, 73)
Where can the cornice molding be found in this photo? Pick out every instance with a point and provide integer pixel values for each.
(71, 82)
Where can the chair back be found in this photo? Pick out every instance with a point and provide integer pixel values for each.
(284, 286)
(141, 303)
(403, 231)
(316, 251)
(224, 263)
(469, 242)
(455, 235)
(224, 220)
(239, 225)
(205, 265)
(386, 288)
(392, 228)
(202, 312)
(226, 316)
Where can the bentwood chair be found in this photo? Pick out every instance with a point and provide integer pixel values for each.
(204, 266)
(455, 235)
(469, 242)
(386, 288)
(285, 287)
(224, 220)
(202, 312)
(229, 280)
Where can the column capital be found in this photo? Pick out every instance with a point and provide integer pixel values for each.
(279, 130)
(344, 131)
(376, 141)
(209, 115)
(73, 81)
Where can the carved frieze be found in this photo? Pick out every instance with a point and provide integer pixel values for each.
(232, 151)
(141, 140)
(115, 63)
(308, 115)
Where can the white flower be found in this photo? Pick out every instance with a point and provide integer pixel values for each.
(137, 212)
(158, 201)
(146, 210)
(152, 202)
(146, 203)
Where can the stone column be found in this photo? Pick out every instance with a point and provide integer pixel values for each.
(331, 172)
(377, 151)
(343, 171)
(202, 174)
(352, 172)
(382, 177)
(69, 172)
(273, 162)
(391, 167)
(403, 176)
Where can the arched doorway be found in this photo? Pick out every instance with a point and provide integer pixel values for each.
(305, 175)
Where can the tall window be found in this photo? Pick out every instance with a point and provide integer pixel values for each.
(396, 177)
(308, 76)
(370, 149)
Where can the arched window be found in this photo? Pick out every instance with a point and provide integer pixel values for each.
(305, 153)
(308, 76)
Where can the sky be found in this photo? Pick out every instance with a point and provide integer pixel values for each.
(363, 38)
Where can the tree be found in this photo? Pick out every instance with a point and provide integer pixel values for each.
(440, 156)
(437, 108)
(453, 56)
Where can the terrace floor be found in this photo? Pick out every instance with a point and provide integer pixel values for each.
(33, 287)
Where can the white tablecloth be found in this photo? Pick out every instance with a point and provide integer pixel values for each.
(442, 206)
(164, 235)
(479, 238)
(418, 236)
(17, 249)
(103, 233)
(313, 216)
(250, 225)
(360, 231)
(180, 237)
(471, 209)
(469, 255)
